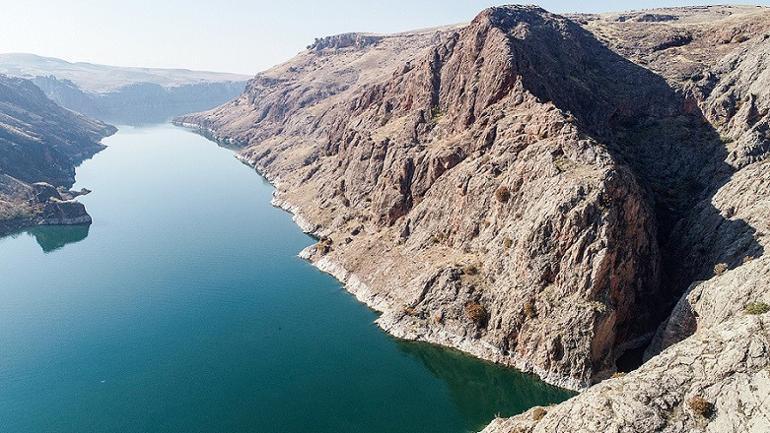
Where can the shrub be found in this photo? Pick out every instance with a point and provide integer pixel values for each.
(529, 310)
(503, 194)
(747, 259)
(538, 413)
(324, 245)
(720, 269)
(507, 243)
(756, 308)
(618, 374)
(436, 113)
(700, 406)
(471, 269)
(476, 312)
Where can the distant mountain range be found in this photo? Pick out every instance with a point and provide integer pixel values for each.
(124, 94)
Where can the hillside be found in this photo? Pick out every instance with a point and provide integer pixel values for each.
(558, 194)
(123, 94)
(40, 145)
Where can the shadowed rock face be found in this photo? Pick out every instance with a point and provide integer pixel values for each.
(40, 145)
(530, 189)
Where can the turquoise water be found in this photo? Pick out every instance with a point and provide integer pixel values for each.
(184, 308)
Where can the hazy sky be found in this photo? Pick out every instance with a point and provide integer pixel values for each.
(234, 36)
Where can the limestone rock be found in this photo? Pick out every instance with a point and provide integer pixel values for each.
(727, 367)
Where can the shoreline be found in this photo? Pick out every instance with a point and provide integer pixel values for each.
(388, 321)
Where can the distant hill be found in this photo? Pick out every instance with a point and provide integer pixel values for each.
(124, 94)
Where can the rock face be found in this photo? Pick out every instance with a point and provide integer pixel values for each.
(40, 145)
(540, 191)
(718, 380)
(124, 95)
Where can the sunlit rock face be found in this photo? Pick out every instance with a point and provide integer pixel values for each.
(539, 191)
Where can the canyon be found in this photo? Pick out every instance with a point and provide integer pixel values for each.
(123, 95)
(40, 145)
(584, 197)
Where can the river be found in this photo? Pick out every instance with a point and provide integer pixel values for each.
(184, 308)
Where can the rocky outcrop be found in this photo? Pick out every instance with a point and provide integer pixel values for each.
(715, 248)
(40, 145)
(541, 192)
(476, 175)
(344, 40)
(716, 381)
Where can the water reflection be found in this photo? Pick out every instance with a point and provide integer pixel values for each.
(476, 387)
(52, 238)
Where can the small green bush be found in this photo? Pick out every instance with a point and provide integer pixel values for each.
(756, 308)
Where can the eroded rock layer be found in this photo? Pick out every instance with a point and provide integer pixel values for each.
(536, 190)
(40, 145)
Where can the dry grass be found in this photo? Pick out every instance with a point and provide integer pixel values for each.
(529, 310)
(503, 194)
(471, 269)
(476, 312)
(720, 269)
(700, 406)
(538, 413)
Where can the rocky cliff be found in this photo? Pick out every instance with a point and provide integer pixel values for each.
(40, 145)
(536, 190)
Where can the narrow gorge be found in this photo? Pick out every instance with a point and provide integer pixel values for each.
(576, 196)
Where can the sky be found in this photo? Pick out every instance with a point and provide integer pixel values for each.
(243, 36)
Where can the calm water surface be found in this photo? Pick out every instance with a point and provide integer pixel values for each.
(184, 308)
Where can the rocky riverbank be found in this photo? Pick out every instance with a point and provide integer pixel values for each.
(541, 191)
(40, 145)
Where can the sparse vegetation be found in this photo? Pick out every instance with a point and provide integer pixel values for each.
(507, 243)
(720, 269)
(700, 406)
(529, 310)
(11, 211)
(756, 308)
(503, 194)
(747, 259)
(563, 164)
(471, 269)
(618, 374)
(476, 312)
(436, 113)
(324, 245)
(538, 413)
